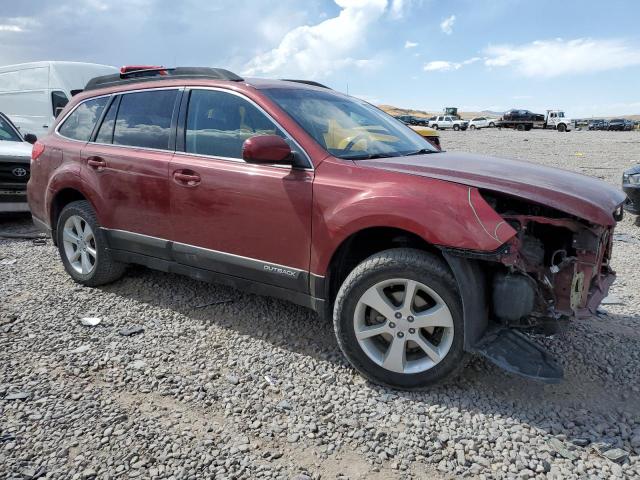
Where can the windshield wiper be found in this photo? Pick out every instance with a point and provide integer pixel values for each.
(423, 151)
(369, 156)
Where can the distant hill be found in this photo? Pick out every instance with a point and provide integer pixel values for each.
(391, 110)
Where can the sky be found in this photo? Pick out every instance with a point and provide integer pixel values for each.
(580, 56)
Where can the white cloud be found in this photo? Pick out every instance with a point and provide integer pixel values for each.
(552, 58)
(409, 44)
(17, 24)
(398, 8)
(441, 66)
(317, 50)
(10, 28)
(445, 65)
(447, 24)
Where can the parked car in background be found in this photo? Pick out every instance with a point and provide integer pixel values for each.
(429, 133)
(15, 159)
(631, 187)
(32, 94)
(629, 125)
(445, 121)
(482, 122)
(598, 124)
(617, 124)
(417, 255)
(412, 120)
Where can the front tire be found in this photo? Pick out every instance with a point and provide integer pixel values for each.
(83, 246)
(398, 319)
(435, 126)
(562, 127)
(456, 127)
(472, 127)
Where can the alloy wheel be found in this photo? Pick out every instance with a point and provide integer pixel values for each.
(79, 244)
(403, 326)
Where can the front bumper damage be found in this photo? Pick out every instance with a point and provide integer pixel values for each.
(555, 268)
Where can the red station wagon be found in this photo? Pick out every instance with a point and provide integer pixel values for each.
(290, 189)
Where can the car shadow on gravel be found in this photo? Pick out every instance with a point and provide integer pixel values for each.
(285, 325)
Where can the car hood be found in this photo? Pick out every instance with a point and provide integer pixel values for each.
(573, 193)
(15, 151)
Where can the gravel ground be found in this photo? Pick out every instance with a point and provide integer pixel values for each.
(221, 384)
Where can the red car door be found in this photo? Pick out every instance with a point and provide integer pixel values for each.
(127, 165)
(239, 219)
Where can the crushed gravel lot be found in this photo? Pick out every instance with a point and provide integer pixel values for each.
(222, 384)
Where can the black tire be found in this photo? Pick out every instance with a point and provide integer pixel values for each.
(562, 127)
(472, 127)
(389, 264)
(435, 126)
(520, 128)
(492, 124)
(105, 269)
(456, 127)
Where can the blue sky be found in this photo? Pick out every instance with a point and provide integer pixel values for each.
(582, 56)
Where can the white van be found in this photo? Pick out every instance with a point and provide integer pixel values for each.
(31, 94)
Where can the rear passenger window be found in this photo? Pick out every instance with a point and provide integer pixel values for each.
(144, 119)
(218, 123)
(79, 125)
(105, 134)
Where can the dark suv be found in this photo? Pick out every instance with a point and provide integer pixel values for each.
(293, 190)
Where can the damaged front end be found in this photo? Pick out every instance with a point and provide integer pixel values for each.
(554, 268)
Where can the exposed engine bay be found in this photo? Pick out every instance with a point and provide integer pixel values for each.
(555, 266)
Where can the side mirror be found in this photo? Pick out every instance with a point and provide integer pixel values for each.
(30, 138)
(266, 149)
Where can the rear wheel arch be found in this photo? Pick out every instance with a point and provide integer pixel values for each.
(60, 200)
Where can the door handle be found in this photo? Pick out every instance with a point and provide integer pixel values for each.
(190, 179)
(97, 162)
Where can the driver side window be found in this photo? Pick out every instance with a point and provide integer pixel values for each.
(218, 123)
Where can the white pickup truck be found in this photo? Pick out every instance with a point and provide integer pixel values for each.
(447, 121)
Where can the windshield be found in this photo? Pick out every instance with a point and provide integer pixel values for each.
(347, 127)
(561, 114)
(7, 132)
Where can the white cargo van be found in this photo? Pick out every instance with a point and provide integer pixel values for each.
(31, 94)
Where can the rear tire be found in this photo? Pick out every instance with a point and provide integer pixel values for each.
(83, 246)
(416, 342)
(435, 126)
(520, 128)
(491, 124)
(472, 127)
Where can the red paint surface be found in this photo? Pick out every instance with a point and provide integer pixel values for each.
(298, 218)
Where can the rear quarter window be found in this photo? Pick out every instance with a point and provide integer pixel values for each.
(80, 124)
(144, 119)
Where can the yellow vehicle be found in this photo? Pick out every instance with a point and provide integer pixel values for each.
(357, 138)
(429, 133)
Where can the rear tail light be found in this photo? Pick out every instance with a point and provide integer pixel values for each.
(38, 149)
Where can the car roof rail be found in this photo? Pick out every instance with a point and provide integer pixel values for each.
(145, 73)
(306, 82)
